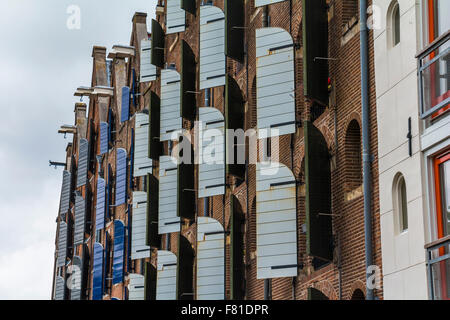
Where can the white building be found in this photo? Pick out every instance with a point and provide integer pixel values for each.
(412, 85)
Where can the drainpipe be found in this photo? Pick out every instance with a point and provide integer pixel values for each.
(367, 179)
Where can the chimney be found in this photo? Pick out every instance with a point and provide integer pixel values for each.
(99, 77)
(139, 17)
(80, 113)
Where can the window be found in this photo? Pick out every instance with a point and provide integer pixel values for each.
(393, 24)
(401, 203)
(353, 168)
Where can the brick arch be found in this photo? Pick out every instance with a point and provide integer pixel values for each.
(357, 285)
(352, 155)
(353, 116)
(326, 288)
(328, 136)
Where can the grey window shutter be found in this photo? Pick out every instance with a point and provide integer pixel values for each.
(83, 162)
(155, 146)
(234, 25)
(210, 259)
(315, 44)
(121, 176)
(142, 163)
(80, 220)
(171, 122)
(100, 208)
(139, 248)
(158, 42)
(104, 143)
(176, 17)
(168, 221)
(148, 70)
(150, 274)
(60, 288)
(211, 177)
(262, 3)
(153, 238)
(212, 47)
(188, 79)
(185, 269)
(186, 198)
(234, 119)
(276, 221)
(319, 238)
(62, 244)
(76, 279)
(65, 194)
(166, 283)
(136, 287)
(275, 82)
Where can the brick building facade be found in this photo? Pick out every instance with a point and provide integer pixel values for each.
(329, 246)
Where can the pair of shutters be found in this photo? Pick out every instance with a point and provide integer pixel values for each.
(210, 259)
(212, 153)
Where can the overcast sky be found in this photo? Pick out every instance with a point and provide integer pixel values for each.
(42, 62)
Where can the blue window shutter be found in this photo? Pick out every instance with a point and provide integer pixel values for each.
(106, 256)
(110, 126)
(129, 238)
(104, 137)
(121, 176)
(76, 293)
(60, 288)
(97, 281)
(83, 162)
(125, 113)
(119, 249)
(100, 208)
(109, 190)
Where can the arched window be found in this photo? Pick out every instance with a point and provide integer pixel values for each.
(400, 203)
(393, 21)
(353, 172)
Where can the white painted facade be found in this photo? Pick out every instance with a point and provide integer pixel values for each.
(397, 95)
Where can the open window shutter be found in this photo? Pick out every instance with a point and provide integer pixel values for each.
(150, 281)
(211, 176)
(185, 269)
(212, 47)
(275, 81)
(171, 122)
(158, 42)
(62, 244)
(188, 77)
(125, 111)
(210, 259)
(80, 220)
(236, 250)
(143, 164)
(119, 252)
(77, 279)
(276, 221)
(262, 3)
(234, 33)
(319, 241)
(186, 196)
(234, 119)
(315, 44)
(60, 288)
(189, 6)
(168, 220)
(100, 207)
(139, 249)
(166, 283)
(106, 261)
(104, 143)
(153, 238)
(121, 176)
(148, 70)
(154, 144)
(176, 17)
(136, 287)
(83, 162)
(65, 194)
(97, 273)
(131, 160)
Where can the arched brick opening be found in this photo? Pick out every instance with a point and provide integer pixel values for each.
(352, 156)
(357, 291)
(326, 288)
